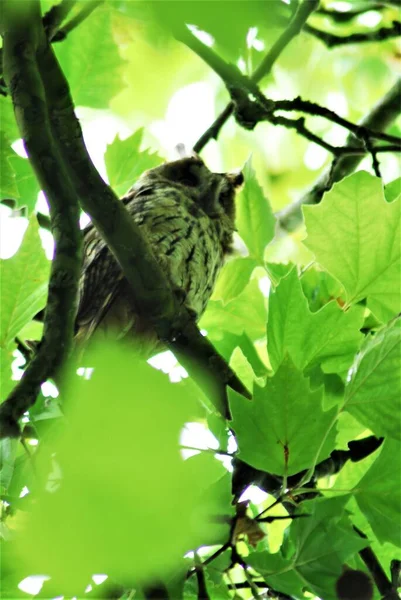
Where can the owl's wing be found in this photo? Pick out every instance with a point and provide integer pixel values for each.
(100, 281)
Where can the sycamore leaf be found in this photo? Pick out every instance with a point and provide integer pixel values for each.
(234, 277)
(8, 186)
(90, 60)
(284, 428)
(24, 284)
(245, 313)
(313, 553)
(393, 190)
(373, 395)
(378, 494)
(125, 162)
(355, 235)
(329, 336)
(255, 219)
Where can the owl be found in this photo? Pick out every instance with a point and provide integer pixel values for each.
(187, 214)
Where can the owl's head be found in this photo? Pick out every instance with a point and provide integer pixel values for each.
(213, 192)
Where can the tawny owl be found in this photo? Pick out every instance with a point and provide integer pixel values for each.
(187, 213)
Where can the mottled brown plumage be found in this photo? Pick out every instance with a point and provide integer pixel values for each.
(187, 213)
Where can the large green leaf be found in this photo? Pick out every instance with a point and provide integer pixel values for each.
(316, 549)
(355, 235)
(284, 428)
(90, 60)
(233, 278)
(373, 395)
(329, 337)
(255, 219)
(126, 493)
(24, 280)
(125, 162)
(378, 494)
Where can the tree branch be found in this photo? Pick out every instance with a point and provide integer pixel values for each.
(378, 119)
(292, 30)
(374, 567)
(331, 40)
(20, 44)
(149, 283)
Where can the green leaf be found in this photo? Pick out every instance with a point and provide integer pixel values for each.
(24, 284)
(355, 235)
(125, 163)
(8, 186)
(329, 337)
(8, 123)
(6, 359)
(255, 219)
(284, 428)
(233, 278)
(90, 60)
(110, 457)
(373, 395)
(392, 190)
(317, 548)
(27, 184)
(378, 494)
(245, 313)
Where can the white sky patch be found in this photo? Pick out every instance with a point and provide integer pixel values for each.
(33, 584)
(264, 284)
(337, 102)
(202, 36)
(18, 147)
(241, 64)
(341, 6)
(179, 125)
(252, 40)
(49, 389)
(197, 435)
(315, 157)
(12, 231)
(253, 494)
(98, 579)
(369, 19)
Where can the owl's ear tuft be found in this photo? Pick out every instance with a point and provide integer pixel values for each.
(183, 152)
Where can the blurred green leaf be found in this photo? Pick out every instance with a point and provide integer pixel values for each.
(90, 60)
(125, 162)
(6, 359)
(355, 235)
(284, 428)
(123, 482)
(8, 123)
(24, 284)
(329, 337)
(378, 494)
(317, 547)
(255, 219)
(373, 395)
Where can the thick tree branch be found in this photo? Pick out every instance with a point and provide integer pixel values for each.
(151, 289)
(378, 35)
(292, 30)
(20, 42)
(378, 119)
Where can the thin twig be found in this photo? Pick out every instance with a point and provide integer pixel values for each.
(292, 30)
(374, 567)
(378, 119)
(378, 35)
